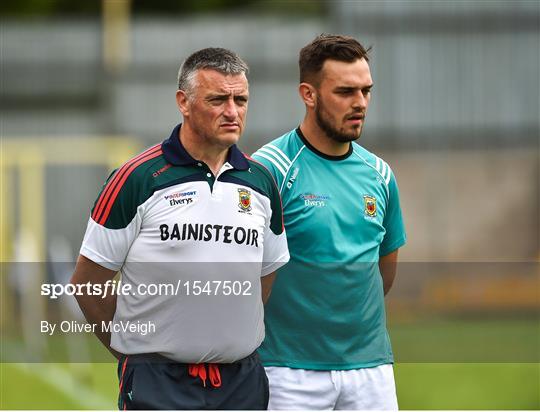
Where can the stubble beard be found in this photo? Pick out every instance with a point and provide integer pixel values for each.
(328, 128)
(214, 138)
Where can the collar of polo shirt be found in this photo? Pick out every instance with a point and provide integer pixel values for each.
(176, 154)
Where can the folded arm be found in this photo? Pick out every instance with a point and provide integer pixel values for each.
(96, 309)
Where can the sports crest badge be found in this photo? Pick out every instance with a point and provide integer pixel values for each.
(370, 206)
(244, 200)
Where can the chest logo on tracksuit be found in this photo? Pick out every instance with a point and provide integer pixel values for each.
(314, 200)
(293, 177)
(370, 206)
(180, 198)
(244, 200)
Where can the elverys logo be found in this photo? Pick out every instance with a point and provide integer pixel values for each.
(314, 200)
(180, 198)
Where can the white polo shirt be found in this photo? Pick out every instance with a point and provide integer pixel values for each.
(193, 247)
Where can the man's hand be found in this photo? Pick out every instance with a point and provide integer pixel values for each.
(95, 309)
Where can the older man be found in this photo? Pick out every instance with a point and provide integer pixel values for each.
(195, 214)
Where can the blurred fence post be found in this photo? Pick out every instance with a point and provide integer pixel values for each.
(116, 34)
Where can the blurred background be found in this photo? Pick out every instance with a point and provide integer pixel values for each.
(455, 112)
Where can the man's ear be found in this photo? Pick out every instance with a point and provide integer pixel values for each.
(182, 102)
(308, 94)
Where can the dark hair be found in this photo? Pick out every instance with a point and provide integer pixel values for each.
(215, 58)
(325, 47)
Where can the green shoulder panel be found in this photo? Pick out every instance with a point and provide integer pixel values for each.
(261, 180)
(129, 187)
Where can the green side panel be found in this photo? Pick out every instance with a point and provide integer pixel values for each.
(140, 185)
(260, 179)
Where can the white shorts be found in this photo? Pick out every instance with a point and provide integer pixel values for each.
(356, 389)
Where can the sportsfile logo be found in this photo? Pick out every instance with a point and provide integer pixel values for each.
(180, 198)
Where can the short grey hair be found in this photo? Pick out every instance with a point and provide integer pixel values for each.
(214, 58)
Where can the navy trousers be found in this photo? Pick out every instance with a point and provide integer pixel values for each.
(151, 381)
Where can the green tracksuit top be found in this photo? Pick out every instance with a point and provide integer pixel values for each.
(326, 310)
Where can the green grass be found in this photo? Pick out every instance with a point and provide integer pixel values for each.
(419, 386)
(466, 340)
(468, 386)
(444, 365)
(24, 390)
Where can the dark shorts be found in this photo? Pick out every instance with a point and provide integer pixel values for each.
(154, 382)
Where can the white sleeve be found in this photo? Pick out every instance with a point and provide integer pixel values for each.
(109, 247)
(276, 252)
